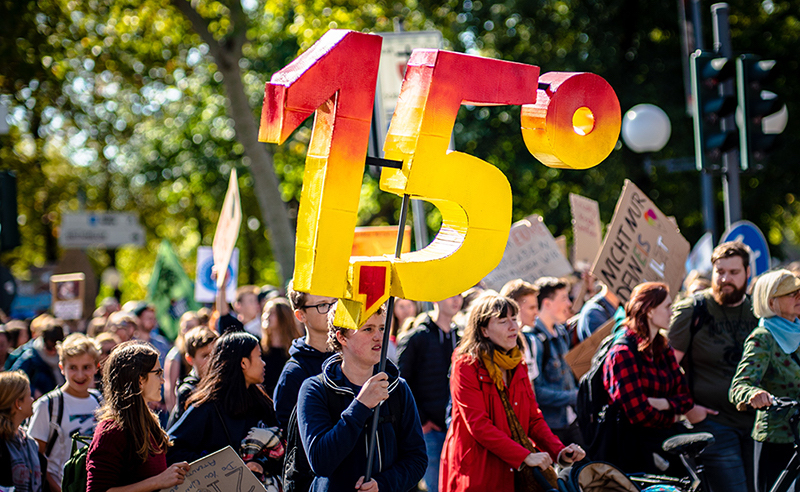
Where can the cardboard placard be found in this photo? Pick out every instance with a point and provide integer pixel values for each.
(587, 230)
(641, 245)
(230, 219)
(379, 240)
(222, 471)
(580, 357)
(531, 252)
(68, 291)
(205, 288)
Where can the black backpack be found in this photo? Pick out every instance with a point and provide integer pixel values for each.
(593, 409)
(297, 473)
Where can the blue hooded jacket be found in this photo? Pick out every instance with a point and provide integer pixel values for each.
(304, 362)
(337, 450)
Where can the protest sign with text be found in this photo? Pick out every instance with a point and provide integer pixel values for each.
(531, 252)
(222, 471)
(641, 245)
(587, 230)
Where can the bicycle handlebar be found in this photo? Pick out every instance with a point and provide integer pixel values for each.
(778, 403)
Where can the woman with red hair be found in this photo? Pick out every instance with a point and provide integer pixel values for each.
(645, 384)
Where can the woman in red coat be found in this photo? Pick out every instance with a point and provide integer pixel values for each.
(497, 432)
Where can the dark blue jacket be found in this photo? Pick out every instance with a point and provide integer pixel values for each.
(337, 449)
(39, 372)
(423, 355)
(304, 362)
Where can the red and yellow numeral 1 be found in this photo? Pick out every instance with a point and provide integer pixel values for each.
(336, 78)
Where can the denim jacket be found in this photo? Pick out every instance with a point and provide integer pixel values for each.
(555, 385)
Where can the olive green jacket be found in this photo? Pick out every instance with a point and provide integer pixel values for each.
(765, 366)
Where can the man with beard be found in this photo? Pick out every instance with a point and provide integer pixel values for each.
(707, 331)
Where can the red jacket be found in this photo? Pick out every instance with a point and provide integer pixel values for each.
(479, 453)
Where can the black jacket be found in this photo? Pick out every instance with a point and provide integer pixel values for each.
(423, 356)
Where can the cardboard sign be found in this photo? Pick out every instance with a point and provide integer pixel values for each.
(379, 240)
(587, 230)
(531, 252)
(580, 357)
(205, 288)
(230, 219)
(67, 291)
(641, 245)
(222, 471)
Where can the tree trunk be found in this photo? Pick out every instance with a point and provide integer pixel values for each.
(227, 54)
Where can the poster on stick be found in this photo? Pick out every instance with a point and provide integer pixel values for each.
(531, 252)
(587, 230)
(641, 245)
(68, 291)
(230, 219)
(222, 471)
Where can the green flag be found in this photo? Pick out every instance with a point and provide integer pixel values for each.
(170, 290)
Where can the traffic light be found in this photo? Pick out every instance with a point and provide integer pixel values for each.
(752, 75)
(9, 232)
(713, 101)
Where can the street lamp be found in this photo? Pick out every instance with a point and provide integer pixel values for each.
(645, 129)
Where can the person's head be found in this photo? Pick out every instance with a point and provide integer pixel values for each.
(649, 310)
(526, 297)
(246, 303)
(18, 332)
(51, 334)
(39, 323)
(491, 326)
(106, 341)
(403, 309)
(78, 359)
(96, 326)
(203, 315)
(553, 297)
(199, 343)
(132, 378)
(777, 293)
(122, 324)
(730, 263)
(449, 307)
(16, 402)
(147, 317)
(311, 310)
(362, 346)
(278, 326)
(109, 305)
(233, 375)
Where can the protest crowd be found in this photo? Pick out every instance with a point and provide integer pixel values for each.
(478, 391)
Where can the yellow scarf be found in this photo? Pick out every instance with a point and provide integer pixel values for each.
(501, 361)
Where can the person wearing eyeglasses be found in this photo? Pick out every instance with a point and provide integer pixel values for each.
(128, 450)
(770, 368)
(306, 354)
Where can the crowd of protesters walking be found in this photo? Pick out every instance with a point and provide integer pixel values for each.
(477, 391)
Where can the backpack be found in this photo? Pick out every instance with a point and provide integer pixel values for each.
(595, 413)
(55, 403)
(596, 476)
(700, 317)
(297, 472)
(75, 474)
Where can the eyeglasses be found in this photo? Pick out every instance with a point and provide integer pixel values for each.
(158, 372)
(322, 308)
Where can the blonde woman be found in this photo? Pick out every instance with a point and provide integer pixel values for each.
(770, 367)
(19, 454)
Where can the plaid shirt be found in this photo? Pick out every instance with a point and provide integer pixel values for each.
(659, 377)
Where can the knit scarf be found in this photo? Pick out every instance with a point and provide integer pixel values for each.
(524, 480)
(785, 332)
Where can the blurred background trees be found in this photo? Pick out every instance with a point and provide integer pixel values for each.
(146, 106)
